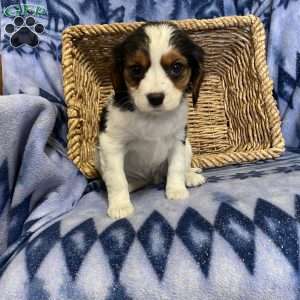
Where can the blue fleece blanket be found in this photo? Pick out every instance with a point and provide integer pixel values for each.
(236, 237)
(31, 48)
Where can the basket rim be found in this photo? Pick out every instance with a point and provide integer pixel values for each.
(77, 32)
(81, 30)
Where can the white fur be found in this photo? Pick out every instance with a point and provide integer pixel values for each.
(156, 80)
(140, 147)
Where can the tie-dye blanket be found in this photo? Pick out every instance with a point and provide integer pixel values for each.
(237, 237)
(31, 47)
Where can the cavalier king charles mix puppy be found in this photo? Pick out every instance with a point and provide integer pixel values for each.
(142, 136)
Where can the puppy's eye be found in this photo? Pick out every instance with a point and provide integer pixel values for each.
(136, 71)
(176, 69)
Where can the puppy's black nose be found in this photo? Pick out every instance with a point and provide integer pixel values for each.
(156, 99)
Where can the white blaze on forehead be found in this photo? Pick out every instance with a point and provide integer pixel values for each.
(159, 40)
(156, 79)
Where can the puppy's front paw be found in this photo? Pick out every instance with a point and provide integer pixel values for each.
(177, 193)
(193, 179)
(120, 209)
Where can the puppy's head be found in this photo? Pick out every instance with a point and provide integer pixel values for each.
(153, 68)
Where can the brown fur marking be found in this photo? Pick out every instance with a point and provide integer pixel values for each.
(138, 58)
(174, 56)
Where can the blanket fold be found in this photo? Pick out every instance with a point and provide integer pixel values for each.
(32, 171)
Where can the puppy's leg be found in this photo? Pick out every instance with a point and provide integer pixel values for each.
(192, 178)
(175, 188)
(112, 169)
(134, 185)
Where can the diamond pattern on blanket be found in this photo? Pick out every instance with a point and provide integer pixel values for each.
(77, 243)
(37, 290)
(196, 234)
(39, 248)
(280, 227)
(156, 237)
(118, 292)
(238, 231)
(17, 216)
(116, 241)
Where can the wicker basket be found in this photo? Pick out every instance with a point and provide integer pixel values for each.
(236, 119)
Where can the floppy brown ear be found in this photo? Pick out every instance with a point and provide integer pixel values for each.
(196, 84)
(117, 69)
(197, 73)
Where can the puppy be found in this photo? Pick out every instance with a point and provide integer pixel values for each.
(142, 136)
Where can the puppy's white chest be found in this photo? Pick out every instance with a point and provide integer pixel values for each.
(144, 158)
(148, 139)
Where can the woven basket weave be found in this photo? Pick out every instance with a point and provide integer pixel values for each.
(236, 119)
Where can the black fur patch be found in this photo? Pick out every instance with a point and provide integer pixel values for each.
(185, 134)
(183, 43)
(138, 40)
(103, 119)
(123, 101)
(193, 53)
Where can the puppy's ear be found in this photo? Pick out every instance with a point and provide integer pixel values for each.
(197, 57)
(117, 70)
